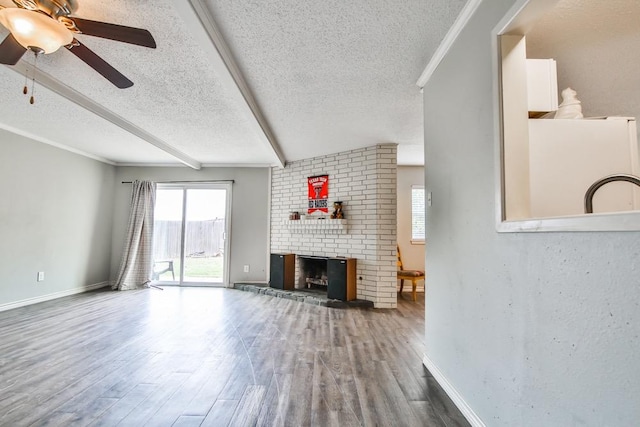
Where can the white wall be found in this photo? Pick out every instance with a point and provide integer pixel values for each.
(412, 255)
(538, 329)
(595, 44)
(55, 216)
(249, 213)
(365, 181)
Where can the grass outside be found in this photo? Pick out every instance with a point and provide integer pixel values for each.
(199, 269)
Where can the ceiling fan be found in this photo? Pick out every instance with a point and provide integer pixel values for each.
(43, 26)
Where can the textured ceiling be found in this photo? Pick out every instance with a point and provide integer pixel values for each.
(327, 76)
(333, 75)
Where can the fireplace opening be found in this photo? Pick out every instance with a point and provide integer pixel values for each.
(313, 273)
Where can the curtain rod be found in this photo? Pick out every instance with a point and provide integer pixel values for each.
(188, 182)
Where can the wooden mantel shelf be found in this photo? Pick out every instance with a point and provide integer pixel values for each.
(317, 226)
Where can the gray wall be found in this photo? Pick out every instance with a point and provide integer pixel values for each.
(55, 216)
(249, 213)
(537, 329)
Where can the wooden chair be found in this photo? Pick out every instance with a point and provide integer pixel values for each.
(413, 275)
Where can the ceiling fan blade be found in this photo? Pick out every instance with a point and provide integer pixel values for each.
(11, 51)
(137, 36)
(99, 64)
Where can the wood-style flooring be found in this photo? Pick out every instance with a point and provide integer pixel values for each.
(215, 357)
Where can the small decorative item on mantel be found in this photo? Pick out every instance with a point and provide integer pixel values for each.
(337, 211)
(294, 216)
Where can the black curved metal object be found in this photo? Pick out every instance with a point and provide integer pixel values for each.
(591, 191)
(11, 51)
(99, 64)
(121, 33)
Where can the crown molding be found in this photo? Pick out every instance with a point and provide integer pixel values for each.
(461, 21)
(238, 165)
(203, 165)
(38, 138)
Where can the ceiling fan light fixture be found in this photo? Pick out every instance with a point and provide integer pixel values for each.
(35, 30)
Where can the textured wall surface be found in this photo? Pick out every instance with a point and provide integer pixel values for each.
(249, 213)
(365, 181)
(55, 217)
(537, 329)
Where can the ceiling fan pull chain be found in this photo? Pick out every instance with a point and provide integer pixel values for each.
(25, 89)
(26, 81)
(33, 79)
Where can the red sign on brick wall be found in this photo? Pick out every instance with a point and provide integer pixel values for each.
(318, 193)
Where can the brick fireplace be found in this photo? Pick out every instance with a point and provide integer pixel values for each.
(365, 181)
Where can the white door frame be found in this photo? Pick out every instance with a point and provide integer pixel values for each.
(227, 229)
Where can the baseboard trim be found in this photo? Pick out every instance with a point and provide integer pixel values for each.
(55, 295)
(453, 394)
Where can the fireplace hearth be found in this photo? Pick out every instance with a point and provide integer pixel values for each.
(307, 296)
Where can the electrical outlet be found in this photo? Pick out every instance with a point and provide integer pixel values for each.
(246, 268)
(40, 276)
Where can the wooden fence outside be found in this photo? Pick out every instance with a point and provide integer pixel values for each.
(203, 238)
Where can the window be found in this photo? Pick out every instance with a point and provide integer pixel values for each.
(417, 214)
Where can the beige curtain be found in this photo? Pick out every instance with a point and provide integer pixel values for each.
(137, 259)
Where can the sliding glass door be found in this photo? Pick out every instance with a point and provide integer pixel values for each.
(190, 234)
